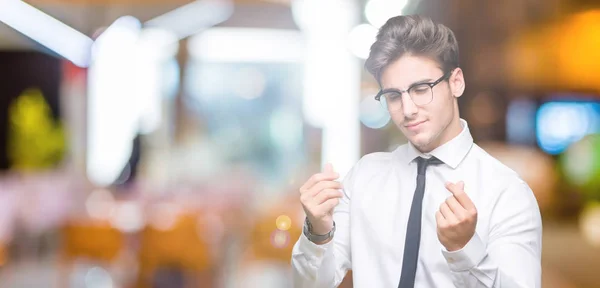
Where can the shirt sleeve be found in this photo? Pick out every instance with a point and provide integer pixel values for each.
(512, 256)
(325, 266)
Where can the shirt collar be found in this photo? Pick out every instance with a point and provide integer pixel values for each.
(451, 153)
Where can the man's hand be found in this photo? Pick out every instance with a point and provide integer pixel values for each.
(456, 218)
(319, 196)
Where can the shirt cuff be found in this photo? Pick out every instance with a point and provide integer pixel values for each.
(467, 257)
(314, 251)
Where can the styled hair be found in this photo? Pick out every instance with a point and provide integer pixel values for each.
(412, 35)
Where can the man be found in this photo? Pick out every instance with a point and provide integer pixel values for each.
(436, 212)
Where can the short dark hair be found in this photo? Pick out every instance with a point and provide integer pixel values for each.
(416, 35)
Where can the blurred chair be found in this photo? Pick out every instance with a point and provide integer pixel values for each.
(271, 241)
(91, 240)
(3, 255)
(168, 255)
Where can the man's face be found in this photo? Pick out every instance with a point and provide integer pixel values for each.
(424, 126)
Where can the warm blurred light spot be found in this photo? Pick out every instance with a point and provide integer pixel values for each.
(535, 167)
(283, 222)
(561, 55)
(280, 239)
(589, 222)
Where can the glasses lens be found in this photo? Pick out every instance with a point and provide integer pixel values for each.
(421, 94)
(391, 101)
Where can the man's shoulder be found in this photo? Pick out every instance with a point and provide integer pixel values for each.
(494, 168)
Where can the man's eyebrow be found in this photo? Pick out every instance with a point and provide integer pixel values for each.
(423, 81)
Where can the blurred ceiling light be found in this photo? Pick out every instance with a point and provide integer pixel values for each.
(379, 11)
(247, 45)
(49, 32)
(113, 116)
(360, 40)
(192, 18)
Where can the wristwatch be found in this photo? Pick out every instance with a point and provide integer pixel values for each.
(314, 237)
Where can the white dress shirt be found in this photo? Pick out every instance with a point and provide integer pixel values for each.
(372, 216)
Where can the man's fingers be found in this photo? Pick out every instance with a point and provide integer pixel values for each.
(457, 209)
(328, 168)
(315, 190)
(330, 204)
(447, 213)
(326, 195)
(440, 218)
(458, 190)
(316, 178)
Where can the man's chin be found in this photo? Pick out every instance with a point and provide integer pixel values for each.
(420, 141)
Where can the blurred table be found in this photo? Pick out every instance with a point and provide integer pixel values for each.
(568, 261)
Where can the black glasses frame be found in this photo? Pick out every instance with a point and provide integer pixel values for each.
(431, 85)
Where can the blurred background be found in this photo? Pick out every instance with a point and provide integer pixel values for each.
(154, 143)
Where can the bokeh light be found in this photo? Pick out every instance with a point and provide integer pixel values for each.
(98, 278)
(373, 114)
(581, 165)
(589, 222)
(100, 204)
(360, 40)
(283, 222)
(559, 124)
(280, 239)
(379, 11)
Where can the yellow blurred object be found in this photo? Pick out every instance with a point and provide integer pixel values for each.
(35, 141)
(561, 55)
(94, 240)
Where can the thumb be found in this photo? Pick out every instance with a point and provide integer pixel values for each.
(328, 168)
(461, 185)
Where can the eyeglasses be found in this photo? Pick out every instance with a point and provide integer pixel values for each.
(421, 94)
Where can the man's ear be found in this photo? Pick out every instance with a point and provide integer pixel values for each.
(457, 83)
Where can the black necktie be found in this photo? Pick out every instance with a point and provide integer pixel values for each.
(413, 230)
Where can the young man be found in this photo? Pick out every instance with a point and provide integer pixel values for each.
(436, 212)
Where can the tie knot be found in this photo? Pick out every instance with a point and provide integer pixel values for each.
(423, 163)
